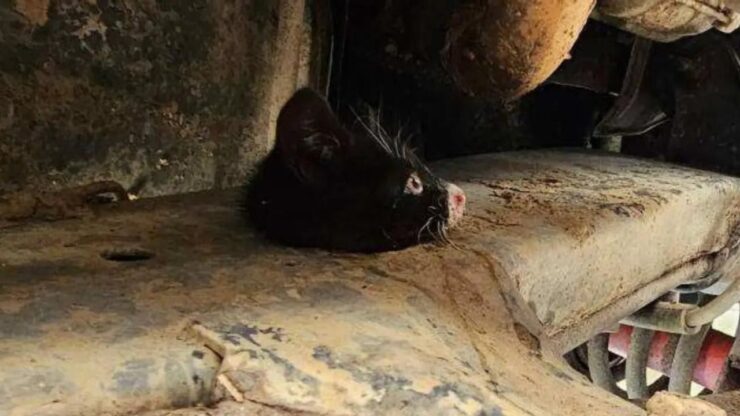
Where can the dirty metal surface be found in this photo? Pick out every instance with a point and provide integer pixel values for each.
(554, 242)
(729, 401)
(504, 49)
(667, 21)
(588, 238)
(673, 404)
(181, 95)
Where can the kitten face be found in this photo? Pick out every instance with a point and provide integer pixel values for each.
(352, 190)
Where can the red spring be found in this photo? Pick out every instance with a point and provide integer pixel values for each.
(710, 366)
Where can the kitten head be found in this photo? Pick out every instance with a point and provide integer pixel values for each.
(357, 189)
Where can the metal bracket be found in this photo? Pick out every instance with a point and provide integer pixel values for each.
(636, 110)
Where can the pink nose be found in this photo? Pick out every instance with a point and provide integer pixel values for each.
(456, 203)
(458, 199)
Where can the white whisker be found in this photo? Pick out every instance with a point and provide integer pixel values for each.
(448, 239)
(373, 134)
(394, 145)
(440, 233)
(425, 226)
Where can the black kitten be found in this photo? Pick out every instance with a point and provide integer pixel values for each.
(326, 186)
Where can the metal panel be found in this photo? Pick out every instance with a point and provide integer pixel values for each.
(555, 244)
(585, 239)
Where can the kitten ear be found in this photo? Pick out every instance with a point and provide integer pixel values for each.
(309, 136)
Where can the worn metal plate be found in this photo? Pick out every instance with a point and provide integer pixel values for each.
(587, 238)
(555, 241)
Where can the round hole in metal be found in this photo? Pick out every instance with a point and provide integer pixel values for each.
(125, 255)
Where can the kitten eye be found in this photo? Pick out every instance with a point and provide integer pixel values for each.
(414, 185)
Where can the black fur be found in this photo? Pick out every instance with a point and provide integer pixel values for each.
(328, 187)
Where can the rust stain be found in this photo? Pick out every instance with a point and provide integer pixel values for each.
(505, 49)
(527, 338)
(36, 11)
